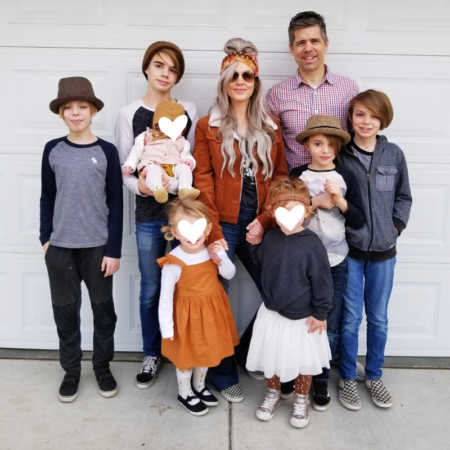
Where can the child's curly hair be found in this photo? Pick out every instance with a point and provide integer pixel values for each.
(284, 189)
(187, 207)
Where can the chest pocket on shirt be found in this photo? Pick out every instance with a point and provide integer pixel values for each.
(385, 178)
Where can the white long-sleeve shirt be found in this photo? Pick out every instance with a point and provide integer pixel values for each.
(170, 274)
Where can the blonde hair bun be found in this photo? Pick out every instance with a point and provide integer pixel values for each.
(239, 45)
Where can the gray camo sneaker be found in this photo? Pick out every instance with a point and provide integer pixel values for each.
(380, 395)
(300, 411)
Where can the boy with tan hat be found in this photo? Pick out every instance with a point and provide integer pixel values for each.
(81, 232)
(323, 139)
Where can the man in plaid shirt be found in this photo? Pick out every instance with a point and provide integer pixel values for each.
(313, 89)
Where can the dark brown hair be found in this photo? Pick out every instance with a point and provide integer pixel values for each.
(335, 141)
(377, 102)
(306, 19)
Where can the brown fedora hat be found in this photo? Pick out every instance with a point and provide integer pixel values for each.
(75, 88)
(321, 124)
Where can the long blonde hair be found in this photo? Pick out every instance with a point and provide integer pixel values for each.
(260, 129)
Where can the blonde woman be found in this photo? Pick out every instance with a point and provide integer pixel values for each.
(238, 149)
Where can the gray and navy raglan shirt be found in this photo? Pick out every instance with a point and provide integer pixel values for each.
(81, 196)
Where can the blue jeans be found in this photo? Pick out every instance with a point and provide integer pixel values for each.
(150, 245)
(226, 373)
(369, 284)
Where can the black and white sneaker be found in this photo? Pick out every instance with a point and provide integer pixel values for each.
(149, 371)
(287, 390)
(321, 398)
(349, 395)
(233, 394)
(107, 385)
(68, 390)
(194, 405)
(206, 397)
(379, 394)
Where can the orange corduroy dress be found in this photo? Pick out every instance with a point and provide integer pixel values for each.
(204, 328)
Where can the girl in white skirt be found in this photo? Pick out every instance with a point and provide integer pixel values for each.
(289, 338)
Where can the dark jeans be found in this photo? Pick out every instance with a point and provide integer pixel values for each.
(226, 373)
(150, 245)
(67, 268)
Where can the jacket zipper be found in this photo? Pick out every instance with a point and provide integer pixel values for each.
(370, 204)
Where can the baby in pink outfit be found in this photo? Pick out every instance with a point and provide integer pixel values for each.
(154, 153)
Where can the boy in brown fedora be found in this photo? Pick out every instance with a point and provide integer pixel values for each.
(81, 232)
(323, 138)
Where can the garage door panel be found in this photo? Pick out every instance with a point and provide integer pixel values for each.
(383, 27)
(418, 312)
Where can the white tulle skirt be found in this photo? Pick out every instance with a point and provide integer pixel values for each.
(283, 347)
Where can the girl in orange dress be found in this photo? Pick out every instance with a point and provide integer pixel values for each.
(195, 317)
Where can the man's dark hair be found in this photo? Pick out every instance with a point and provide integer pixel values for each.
(306, 19)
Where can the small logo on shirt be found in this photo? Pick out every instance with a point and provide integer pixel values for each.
(94, 160)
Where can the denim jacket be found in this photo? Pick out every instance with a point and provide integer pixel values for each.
(386, 199)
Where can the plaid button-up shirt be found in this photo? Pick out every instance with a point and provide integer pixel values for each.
(293, 102)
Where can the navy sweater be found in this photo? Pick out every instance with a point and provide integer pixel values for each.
(295, 274)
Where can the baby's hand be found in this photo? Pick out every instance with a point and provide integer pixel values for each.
(127, 170)
(333, 189)
(255, 232)
(324, 201)
(316, 325)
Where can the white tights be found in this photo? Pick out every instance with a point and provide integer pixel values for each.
(198, 376)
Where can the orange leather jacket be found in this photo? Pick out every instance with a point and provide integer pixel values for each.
(222, 194)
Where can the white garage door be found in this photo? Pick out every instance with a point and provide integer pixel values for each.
(401, 48)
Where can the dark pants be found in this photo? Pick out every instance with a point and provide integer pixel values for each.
(67, 268)
(226, 373)
(334, 320)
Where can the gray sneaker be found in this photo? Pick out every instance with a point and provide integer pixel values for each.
(300, 411)
(270, 403)
(380, 395)
(349, 395)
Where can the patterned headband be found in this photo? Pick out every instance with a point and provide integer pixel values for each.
(245, 58)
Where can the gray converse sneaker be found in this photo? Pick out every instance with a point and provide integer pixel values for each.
(149, 370)
(267, 409)
(233, 394)
(300, 411)
(380, 395)
(349, 395)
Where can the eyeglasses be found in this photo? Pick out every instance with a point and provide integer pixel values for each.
(246, 76)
